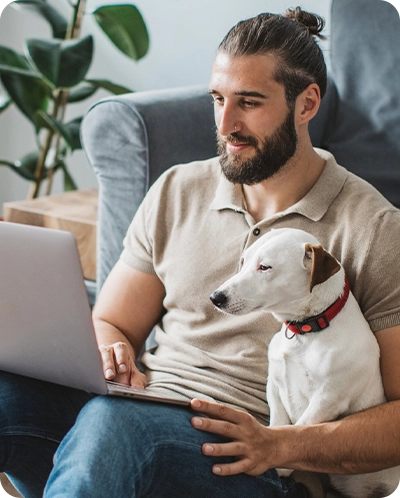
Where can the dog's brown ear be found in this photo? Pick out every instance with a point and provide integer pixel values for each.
(323, 264)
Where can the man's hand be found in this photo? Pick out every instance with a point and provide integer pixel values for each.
(251, 443)
(129, 305)
(119, 366)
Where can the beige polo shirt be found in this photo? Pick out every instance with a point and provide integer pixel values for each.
(191, 231)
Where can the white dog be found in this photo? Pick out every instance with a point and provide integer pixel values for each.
(324, 363)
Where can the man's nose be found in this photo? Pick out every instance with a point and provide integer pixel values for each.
(227, 120)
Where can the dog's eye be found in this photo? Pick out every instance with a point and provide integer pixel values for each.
(264, 267)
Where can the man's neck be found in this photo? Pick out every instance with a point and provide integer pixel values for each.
(286, 188)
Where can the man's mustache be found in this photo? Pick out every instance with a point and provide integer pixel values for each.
(236, 138)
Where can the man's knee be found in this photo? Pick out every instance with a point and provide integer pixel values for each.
(108, 421)
(108, 417)
(52, 408)
(12, 400)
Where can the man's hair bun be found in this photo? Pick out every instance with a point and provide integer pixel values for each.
(312, 22)
(292, 38)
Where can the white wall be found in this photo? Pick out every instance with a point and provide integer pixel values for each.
(184, 36)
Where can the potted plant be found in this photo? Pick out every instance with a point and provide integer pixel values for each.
(51, 75)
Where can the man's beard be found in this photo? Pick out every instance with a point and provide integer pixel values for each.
(274, 153)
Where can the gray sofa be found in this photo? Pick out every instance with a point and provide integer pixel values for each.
(131, 139)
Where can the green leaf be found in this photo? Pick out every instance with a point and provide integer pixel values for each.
(19, 72)
(26, 166)
(51, 123)
(9, 57)
(125, 27)
(69, 183)
(80, 93)
(69, 131)
(13, 63)
(3, 162)
(111, 87)
(64, 64)
(74, 128)
(29, 93)
(57, 21)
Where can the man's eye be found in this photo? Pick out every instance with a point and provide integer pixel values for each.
(218, 100)
(248, 103)
(264, 268)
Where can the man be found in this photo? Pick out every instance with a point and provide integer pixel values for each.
(187, 238)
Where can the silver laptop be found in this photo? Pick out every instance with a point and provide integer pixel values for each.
(46, 329)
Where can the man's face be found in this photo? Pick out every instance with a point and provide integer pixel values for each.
(270, 155)
(256, 130)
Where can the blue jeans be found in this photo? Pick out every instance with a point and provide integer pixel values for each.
(117, 448)
(34, 418)
(120, 447)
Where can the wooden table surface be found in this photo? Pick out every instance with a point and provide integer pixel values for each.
(75, 212)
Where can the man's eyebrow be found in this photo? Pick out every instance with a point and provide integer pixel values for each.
(251, 94)
(243, 93)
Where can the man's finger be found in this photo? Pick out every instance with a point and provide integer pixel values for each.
(138, 379)
(229, 469)
(234, 449)
(221, 427)
(217, 410)
(121, 354)
(107, 356)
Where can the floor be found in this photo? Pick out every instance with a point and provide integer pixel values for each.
(6, 489)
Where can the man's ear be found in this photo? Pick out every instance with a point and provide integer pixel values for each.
(323, 265)
(308, 103)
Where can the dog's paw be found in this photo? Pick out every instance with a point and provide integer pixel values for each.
(284, 472)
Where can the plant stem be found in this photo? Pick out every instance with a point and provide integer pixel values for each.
(50, 174)
(60, 102)
(35, 187)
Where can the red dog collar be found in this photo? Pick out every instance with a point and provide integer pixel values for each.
(320, 322)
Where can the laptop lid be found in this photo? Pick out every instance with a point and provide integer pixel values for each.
(46, 329)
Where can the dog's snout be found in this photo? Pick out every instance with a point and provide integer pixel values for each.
(219, 298)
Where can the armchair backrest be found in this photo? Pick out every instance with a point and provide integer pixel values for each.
(365, 60)
(129, 141)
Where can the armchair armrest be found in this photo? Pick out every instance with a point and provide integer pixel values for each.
(129, 141)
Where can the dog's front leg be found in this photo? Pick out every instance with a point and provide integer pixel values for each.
(323, 407)
(278, 415)
(277, 411)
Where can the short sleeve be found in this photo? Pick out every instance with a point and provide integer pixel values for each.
(380, 274)
(138, 243)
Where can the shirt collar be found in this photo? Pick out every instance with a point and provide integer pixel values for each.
(228, 196)
(313, 205)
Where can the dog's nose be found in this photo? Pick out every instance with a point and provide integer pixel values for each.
(219, 298)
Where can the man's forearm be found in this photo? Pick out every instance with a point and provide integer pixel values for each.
(364, 442)
(367, 441)
(118, 355)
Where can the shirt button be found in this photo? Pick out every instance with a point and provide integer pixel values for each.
(256, 231)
